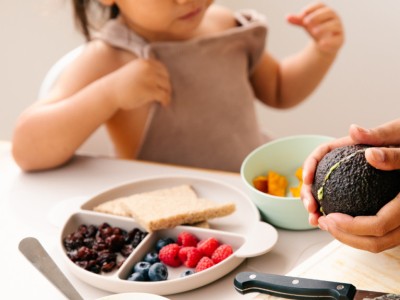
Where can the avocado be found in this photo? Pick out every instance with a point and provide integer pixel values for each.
(345, 182)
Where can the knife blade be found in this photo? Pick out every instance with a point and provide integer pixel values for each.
(33, 250)
(303, 288)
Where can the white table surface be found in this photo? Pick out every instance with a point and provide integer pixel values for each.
(30, 205)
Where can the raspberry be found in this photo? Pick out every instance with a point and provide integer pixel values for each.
(187, 239)
(221, 253)
(190, 256)
(204, 263)
(169, 255)
(208, 246)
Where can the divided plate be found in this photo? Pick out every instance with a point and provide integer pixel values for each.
(243, 230)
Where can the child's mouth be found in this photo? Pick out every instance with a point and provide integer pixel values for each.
(191, 14)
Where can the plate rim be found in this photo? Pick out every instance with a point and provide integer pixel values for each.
(159, 287)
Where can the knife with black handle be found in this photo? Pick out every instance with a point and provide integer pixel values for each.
(303, 288)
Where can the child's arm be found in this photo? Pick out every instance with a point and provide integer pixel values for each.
(92, 90)
(287, 83)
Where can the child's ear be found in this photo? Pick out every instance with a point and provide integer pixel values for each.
(107, 2)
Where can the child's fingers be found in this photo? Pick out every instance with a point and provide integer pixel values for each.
(328, 35)
(298, 18)
(322, 15)
(322, 24)
(163, 84)
(163, 94)
(295, 20)
(311, 8)
(326, 29)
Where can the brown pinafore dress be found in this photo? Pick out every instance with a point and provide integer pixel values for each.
(211, 120)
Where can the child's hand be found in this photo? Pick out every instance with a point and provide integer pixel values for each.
(323, 24)
(140, 82)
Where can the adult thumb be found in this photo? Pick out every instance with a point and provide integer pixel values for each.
(384, 158)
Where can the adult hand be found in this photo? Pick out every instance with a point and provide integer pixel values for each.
(382, 156)
(371, 233)
(309, 167)
(323, 25)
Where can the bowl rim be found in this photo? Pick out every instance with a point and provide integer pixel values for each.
(272, 142)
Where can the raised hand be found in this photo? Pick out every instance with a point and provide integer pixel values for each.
(323, 25)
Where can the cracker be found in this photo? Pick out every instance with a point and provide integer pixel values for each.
(167, 208)
(114, 207)
(155, 213)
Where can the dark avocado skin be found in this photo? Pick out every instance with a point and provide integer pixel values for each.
(354, 187)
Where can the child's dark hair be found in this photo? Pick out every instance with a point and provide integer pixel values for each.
(90, 14)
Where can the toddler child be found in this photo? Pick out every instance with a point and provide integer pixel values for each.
(174, 81)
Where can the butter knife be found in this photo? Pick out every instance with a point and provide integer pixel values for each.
(33, 250)
(303, 288)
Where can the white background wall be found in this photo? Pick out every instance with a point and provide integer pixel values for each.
(34, 33)
(362, 87)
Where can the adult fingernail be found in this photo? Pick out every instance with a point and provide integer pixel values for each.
(377, 154)
(322, 224)
(361, 129)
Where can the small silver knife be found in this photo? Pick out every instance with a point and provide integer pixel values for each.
(32, 249)
(303, 288)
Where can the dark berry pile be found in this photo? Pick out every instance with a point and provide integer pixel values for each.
(96, 248)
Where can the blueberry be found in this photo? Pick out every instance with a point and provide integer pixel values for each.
(163, 242)
(142, 267)
(158, 272)
(151, 257)
(137, 277)
(187, 273)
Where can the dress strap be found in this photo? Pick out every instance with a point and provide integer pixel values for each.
(118, 35)
(247, 16)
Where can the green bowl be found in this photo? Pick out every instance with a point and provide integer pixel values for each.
(283, 156)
